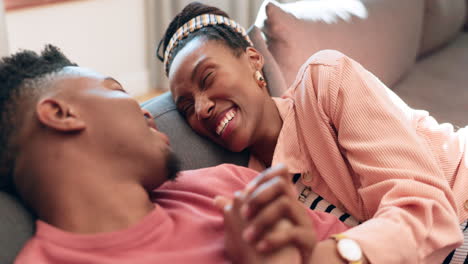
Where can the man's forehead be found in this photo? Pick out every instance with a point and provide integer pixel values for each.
(82, 72)
(73, 78)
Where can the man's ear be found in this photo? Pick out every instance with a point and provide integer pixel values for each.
(57, 114)
(255, 58)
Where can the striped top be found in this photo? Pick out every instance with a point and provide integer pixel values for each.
(361, 148)
(315, 202)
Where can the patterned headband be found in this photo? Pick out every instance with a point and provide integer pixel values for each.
(197, 23)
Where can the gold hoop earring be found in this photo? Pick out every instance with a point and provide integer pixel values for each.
(260, 80)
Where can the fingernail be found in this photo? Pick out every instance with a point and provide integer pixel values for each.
(248, 234)
(250, 186)
(239, 195)
(227, 207)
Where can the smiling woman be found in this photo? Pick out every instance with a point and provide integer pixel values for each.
(342, 133)
(17, 4)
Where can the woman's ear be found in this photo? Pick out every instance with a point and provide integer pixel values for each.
(255, 58)
(58, 115)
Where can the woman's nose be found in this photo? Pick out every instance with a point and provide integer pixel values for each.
(203, 107)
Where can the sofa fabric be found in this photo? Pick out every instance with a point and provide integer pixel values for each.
(384, 36)
(439, 83)
(442, 21)
(16, 227)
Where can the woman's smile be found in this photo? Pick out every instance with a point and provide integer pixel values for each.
(224, 119)
(227, 124)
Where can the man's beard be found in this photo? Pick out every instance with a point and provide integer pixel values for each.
(172, 166)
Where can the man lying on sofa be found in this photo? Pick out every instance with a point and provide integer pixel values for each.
(85, 157)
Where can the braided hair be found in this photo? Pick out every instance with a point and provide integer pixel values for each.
(234, 40)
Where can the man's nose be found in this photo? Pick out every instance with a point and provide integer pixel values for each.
(149, 118)
(204, 107)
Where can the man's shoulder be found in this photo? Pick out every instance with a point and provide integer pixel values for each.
(30, 253)
(222, 179)
(193, 185)
(221, 171)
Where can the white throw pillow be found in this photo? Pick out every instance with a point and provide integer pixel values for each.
(383, 35)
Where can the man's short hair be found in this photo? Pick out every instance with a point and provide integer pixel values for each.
(24, 76)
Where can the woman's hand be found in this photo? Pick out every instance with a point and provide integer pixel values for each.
(240, 252)
(269, 199)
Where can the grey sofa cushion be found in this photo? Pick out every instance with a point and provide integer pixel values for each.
(193, 150)
(438, 83)
(16, 227)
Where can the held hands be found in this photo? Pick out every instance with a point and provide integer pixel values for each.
(241, 252)
(267, 217)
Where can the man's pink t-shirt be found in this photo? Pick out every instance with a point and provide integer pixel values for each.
(184, 227)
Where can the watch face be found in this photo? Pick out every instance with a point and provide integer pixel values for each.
(349, 249)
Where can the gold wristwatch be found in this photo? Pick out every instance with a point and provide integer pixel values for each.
(348, 249)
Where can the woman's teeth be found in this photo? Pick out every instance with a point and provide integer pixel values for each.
(223, 124)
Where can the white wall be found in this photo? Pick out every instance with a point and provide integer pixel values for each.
(108, 36)
(3, 34)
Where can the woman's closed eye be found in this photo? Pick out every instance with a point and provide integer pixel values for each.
(205, 81)
(186, 109)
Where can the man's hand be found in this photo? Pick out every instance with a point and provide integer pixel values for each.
(241, 252)
(269, 198)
